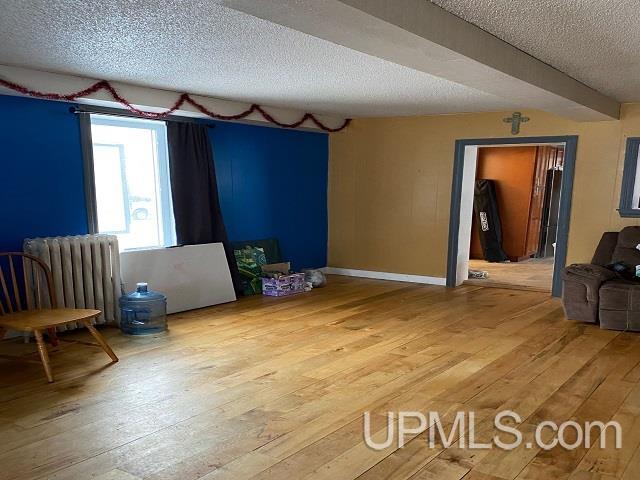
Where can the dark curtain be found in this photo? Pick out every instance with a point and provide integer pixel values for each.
(194, 190)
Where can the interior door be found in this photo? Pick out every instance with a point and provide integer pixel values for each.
(545, 159)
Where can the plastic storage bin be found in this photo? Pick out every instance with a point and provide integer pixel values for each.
(143, 312)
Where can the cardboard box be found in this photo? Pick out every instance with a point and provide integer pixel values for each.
(282, 267)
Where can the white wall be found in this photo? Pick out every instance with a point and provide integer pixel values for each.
(466, 213)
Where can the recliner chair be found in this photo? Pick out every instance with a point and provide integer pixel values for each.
(593, 293)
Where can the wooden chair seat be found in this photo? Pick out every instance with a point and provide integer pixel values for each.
(31, 320)
(23, 307)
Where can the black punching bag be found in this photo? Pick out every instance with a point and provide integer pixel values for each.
(485, 206)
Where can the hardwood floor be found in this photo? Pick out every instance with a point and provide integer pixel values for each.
(535, 274)
(276, 388)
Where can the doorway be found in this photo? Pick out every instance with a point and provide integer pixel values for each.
(530, 256)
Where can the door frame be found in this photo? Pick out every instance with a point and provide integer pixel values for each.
(564, 214)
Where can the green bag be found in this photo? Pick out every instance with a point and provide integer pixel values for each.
(250, 260)
(250, 256)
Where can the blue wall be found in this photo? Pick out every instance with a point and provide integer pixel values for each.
(272, 182)
(42, 189)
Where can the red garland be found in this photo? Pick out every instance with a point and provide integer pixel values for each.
(184, 98)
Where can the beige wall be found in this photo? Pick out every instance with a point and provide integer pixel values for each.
(390, 185)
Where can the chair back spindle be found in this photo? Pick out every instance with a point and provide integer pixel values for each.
(26, 291)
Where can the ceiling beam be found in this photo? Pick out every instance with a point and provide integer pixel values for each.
(421, 35)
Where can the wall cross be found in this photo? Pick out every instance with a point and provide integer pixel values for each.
(515, 120)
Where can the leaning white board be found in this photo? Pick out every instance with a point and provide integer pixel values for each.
(193, 276)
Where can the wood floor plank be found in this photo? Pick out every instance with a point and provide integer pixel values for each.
(610, 461)
(277, 388)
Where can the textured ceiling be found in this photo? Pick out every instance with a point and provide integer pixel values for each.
(594, 41)
(200, 47)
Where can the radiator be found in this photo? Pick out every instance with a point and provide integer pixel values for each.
(86, 271)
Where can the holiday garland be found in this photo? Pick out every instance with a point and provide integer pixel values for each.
(184, 98)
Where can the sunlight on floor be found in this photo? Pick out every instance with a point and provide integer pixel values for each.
(534, 274)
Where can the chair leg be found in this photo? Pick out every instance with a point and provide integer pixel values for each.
(53, 336)
(100, 339)
(44, 356)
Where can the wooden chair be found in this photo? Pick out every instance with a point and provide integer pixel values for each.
(28, 304)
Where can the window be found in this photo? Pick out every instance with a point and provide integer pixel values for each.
(131, 177)
(630, 195)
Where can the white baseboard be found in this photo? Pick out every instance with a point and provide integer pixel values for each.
(396, 277)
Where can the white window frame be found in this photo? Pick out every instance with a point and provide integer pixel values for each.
(163, 181)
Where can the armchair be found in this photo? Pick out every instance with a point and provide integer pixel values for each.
(593, 293)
